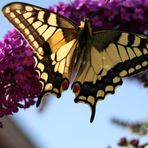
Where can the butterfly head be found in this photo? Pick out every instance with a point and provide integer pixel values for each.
(86, 23)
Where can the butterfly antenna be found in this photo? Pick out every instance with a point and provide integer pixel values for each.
(107, 1)
(72, 4)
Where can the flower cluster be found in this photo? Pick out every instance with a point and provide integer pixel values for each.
(140, 128)
(134, 143)
(19, 85)
(18, 80)
(124, 15)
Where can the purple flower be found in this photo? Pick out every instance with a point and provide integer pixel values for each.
(123, 142)
(19, 85)
(112, 14)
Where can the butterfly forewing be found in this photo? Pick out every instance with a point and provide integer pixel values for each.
(51, 36)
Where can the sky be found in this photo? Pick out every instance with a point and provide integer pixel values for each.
(64, 124)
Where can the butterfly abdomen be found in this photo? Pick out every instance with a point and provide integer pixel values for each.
(85, 33)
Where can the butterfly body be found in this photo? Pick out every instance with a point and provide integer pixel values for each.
(94, 61)
(82, 51)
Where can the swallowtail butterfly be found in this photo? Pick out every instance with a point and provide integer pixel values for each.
(94, 61)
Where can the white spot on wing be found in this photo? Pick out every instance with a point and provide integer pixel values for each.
(44, 76)
(48, 87)
(123, 73)
(41, 16)
(53, 56)
(27, 32)
(29, 8)
(18, 11)
(22, 26)
(116, 80)
(100, 93)
(30, 20)
(144, 63)
(109, 88)
(35, 44)
(91, 100)
(123, 39)
(7, 10)
(40, 66)
(138, 67)
(31, 38)
(40, 50)
(145, 51)
(17, 20)
(12, 15)
(52, 19)
(131, 70)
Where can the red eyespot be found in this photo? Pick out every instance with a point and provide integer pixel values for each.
(65, 84)
(76, 87)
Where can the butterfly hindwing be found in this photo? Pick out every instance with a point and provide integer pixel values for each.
(113, 55)
(51, 36)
